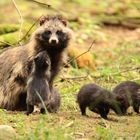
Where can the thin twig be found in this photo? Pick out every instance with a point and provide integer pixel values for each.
(29, 30)
(26, 34)
(41, 3)
(21, 19)
(6, 43)
(73, 78)
(80, 54)
(136, 79)
(120, 72)
(45, 5)
(136, 68)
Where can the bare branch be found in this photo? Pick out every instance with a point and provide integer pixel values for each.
(135, 79)
(6, 43)
(136, 68)
(45, 5)
(21, 19)
(120, 72)
(41, 3)
(78, 56)
(27, 33)
(81, 53)
(73, 78)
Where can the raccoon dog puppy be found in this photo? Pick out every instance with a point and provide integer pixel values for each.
(128, 94)
(38, 90)
(97, 99)
(54, 102)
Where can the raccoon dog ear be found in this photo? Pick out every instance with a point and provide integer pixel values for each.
(63, 20)
(42, 20)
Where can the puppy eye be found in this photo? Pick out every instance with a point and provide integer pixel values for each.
(59, 33)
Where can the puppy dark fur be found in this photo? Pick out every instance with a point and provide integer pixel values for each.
(37, 84)
(128, 94)
(54, 102)
(96, 99)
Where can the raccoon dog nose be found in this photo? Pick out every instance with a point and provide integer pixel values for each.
(53, 41)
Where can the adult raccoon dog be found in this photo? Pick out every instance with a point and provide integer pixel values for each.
(56, 37)
(51, 36)
(128, 94)
(38, 90)
(97, 99)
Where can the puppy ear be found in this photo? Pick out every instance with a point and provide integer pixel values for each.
(42, 20)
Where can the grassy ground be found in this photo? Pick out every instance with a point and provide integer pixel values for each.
(115, 53)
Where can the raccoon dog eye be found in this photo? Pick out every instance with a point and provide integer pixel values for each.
(59, 33)
(47, 32)
(46, 35)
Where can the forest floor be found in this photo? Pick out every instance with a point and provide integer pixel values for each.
(115, 58)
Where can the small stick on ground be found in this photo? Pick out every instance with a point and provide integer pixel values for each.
(73, 78)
